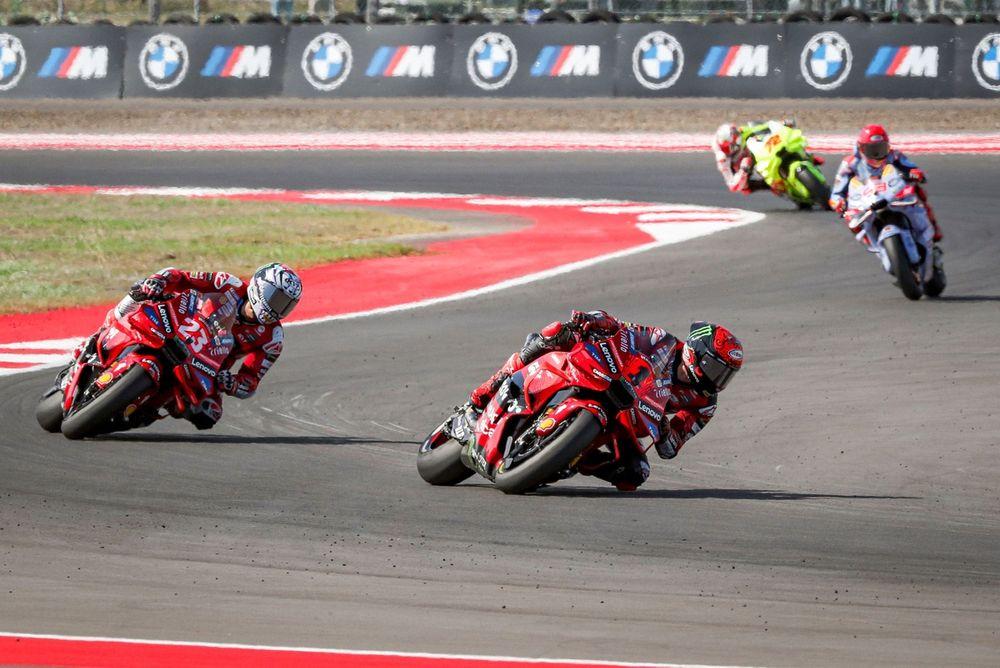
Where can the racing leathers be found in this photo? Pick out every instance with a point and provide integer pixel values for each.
(690, 407)
(258, 345)
(852, 164)
(736, 168)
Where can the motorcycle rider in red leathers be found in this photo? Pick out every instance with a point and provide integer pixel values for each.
(874, 151)
(689, 375)
(268, 297)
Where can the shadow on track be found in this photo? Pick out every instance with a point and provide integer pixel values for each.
(247, 440)
(704, 493)
(968, 298)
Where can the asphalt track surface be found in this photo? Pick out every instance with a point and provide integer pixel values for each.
(841, 509)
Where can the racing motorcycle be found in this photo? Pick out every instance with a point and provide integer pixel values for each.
(883, 224)
(546, 417)
(162, 354)
(781, 160)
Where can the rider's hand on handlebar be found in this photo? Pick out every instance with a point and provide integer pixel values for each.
(152, 287)
(918, 176)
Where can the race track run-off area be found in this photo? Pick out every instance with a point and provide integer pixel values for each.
(562, 235)
(841, 508)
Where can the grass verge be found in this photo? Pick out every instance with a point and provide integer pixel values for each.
(74, 250)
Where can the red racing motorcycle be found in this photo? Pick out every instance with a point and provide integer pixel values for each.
(545, 418)
(162, 354)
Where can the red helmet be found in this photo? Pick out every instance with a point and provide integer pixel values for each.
(712, 356)
(873, 144)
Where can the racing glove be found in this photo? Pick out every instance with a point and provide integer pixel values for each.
(838, 204)
(152, 287)
(918, 176)
(600, 321)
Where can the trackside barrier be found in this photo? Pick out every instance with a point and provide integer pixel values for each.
(549, 60)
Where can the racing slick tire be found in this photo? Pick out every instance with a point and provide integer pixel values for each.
(818, 191)
(900, 261)
(442, 465)
(49, 411)
(935, 286)
(92, 418)
(553, 458)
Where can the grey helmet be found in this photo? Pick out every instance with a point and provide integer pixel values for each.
(273, 292)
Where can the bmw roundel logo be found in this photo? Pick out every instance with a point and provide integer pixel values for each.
(986, 62)
(13, 61)
(492, 61)
(826, 60)
(657, 60)
(163, 61)
(327, 61)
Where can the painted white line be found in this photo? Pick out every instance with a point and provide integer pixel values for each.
(33, 358)
(318, 650)
(47, 344)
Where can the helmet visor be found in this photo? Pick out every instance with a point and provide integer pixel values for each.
(277, 300)
(875, 150)
(717, 372)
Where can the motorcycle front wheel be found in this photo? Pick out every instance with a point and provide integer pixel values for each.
(555, 456)
(900, 261)
(819, 191)
(49, 412)
(93, 417)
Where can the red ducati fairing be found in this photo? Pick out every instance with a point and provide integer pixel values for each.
(605, 380)
(161, 354)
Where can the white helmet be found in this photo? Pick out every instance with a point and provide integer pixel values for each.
(273, 292)
(727, 137)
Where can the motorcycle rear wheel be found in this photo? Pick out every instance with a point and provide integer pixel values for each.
(819, 191)
(93, 418)
(442, 465)
(900, 261)
(49, 411)
(554, 457)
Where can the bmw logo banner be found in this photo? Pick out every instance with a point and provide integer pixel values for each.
(547, 60)
(61, 61)
(719, 60)
(870, 60)
(204, 61)
(355, 61)
(977, 61)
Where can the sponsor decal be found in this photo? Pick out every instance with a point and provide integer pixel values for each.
(75, 62)
(603, 376)
(546, 424)
(624, 341)
(12, 61)
(576, 60)
(163, 62)
(201, 366)
(904, 61)
(242, 61)
(608, 357)
(740, 60)
(165, 318)
(826, 60)
(650, 411)
(402, 61)
(657, 60)
(986, 62)
(736, 355)
(326, 61)
(104, 378)
(492, 61)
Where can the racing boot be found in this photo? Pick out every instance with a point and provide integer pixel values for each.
(938, 281)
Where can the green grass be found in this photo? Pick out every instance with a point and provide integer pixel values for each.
(70, 250)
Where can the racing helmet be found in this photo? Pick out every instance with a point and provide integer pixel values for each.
(728, 138)
(273, 292)
(873, 144)
(712, 356)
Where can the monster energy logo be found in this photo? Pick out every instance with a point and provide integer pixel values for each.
(701, 332)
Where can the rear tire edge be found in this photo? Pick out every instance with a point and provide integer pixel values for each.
(443, 465)
(818, 191)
